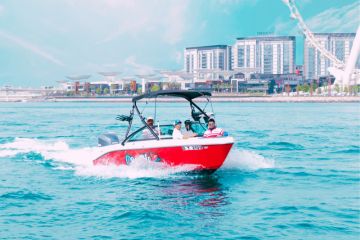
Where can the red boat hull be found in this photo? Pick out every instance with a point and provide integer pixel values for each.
(206, 157)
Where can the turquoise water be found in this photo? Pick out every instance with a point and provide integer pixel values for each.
(292, 174)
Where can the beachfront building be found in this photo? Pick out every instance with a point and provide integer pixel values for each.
(177, 80)
(339, 44)
(206, 62)
(269, 83)
(110, 85)
(264, 54)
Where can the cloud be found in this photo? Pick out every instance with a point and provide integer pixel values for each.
(231, 2)
(343, 19)
(285, 27)
(227, 6)
(31, 47)
(175, 24)
(164, 18)
(178, 57)
(138, 68)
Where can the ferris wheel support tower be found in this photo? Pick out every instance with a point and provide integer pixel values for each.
(342, 71)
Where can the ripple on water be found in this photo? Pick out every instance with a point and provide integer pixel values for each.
(349, 150)
(257, 134)
(6, 140)
(140, 215)
(285, 146)
(26, 195)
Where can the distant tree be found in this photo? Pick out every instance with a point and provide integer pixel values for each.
(306, 87)
(346, 89)
(106, 91)
(357, 88)
(337, 88)
(69, 94)
(155, 88)
(98, 91)
(139, 90)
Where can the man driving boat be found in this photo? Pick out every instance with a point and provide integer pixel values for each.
(146, 132)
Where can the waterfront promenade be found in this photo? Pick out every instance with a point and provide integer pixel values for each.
(28, 96)
(224, 99)
(269, 99)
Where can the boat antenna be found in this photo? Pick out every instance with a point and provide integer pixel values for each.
(155, 109)
(146, 102)
(212, 109)
(206, 104)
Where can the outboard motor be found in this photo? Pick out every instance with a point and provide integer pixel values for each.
(107, 139)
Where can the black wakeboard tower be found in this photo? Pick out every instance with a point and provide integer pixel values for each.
(196, 112)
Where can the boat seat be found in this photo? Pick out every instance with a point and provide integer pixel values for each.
(170, 132)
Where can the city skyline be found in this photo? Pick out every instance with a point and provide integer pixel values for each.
(50, 40)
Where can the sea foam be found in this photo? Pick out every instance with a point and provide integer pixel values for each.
(81, 160)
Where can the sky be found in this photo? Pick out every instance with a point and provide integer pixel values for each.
(42, 42)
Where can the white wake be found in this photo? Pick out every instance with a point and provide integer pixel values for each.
(244, 159)
(81, 160)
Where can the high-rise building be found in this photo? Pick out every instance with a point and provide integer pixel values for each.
(339, 44)
(264, 54)
(207, 59)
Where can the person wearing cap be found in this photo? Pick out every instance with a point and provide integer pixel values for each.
(177, 130)
(212, 130)
(146, 132)
(188, 131)
(150, 121)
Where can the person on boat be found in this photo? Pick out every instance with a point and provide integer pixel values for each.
(188, 131)
(212, 130)
(146, 132)
(177, 130)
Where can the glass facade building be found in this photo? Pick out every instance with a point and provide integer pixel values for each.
(339, 44)
(206, 62)
(216, 57)
(264, 54)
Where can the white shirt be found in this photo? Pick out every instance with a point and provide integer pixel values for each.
(188, 133)
(177, 134)
(148, 135)
(216, 132)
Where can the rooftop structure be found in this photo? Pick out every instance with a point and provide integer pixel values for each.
(78, 77)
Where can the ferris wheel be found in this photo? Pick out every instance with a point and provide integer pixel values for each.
(342, 71)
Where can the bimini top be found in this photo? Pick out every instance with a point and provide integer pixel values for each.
(187, 94)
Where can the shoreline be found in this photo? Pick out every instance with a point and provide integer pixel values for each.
(240, 99)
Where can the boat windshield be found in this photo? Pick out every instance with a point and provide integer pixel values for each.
(166, 131)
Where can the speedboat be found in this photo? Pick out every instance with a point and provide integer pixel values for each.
(205, 154)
